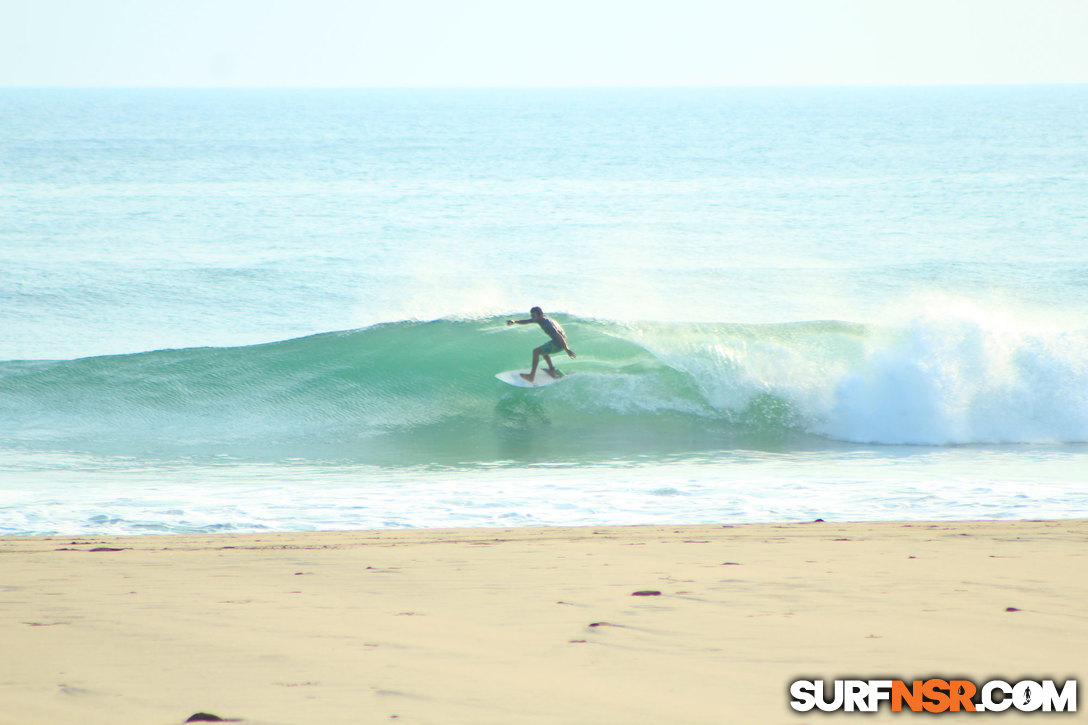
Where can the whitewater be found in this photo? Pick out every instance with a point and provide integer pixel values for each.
(283, 310)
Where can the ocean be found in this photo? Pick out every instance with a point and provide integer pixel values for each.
(281, 310)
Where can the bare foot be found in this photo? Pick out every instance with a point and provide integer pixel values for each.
(528, 377)
(554, 373)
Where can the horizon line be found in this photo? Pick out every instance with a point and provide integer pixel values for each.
(693, 86)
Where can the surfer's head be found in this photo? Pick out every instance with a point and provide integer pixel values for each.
(536, 313)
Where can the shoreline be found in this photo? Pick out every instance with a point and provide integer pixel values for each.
(529, 624)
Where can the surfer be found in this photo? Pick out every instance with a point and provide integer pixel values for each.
(557, 343)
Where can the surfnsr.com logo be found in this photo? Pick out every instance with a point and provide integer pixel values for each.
(934, 696)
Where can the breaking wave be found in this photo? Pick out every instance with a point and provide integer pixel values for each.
(417, 393)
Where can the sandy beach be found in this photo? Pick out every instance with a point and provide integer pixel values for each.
(530, 625)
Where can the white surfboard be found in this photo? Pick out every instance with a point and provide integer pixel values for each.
(513, 377)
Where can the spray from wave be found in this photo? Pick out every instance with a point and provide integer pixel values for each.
(422, 392)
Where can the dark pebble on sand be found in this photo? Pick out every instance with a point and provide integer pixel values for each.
(1012, 609)
(646, 593)
(204, 717)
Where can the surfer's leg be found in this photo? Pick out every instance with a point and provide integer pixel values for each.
(551, 368)
(536, 361)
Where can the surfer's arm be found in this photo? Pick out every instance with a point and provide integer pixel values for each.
(520, 322)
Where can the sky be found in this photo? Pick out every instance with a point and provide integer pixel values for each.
(515, 43)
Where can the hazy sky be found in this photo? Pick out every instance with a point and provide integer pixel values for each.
(366, 43)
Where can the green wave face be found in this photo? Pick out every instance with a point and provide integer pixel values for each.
(419, 393)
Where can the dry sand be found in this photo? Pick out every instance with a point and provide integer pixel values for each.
(533, 625)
